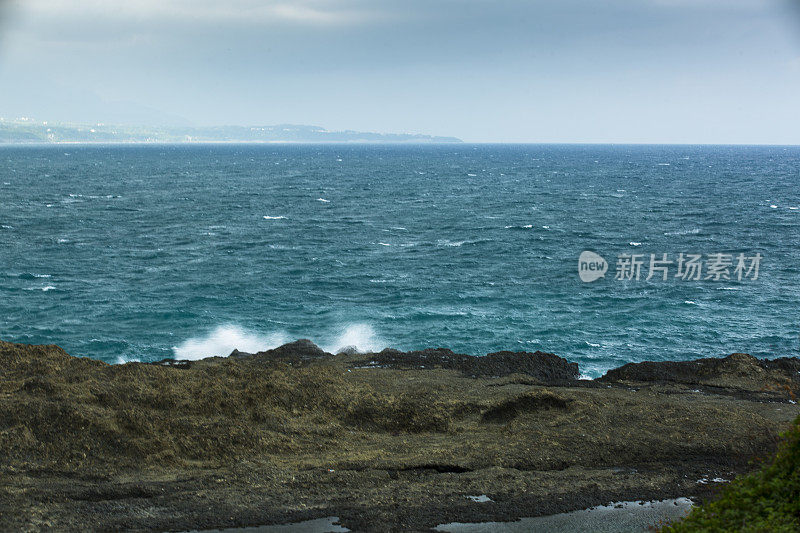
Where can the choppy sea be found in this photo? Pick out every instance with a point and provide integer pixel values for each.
(152, 251)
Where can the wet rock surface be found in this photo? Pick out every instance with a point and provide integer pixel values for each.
(385, 441)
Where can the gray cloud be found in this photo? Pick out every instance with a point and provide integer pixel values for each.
(485, 70)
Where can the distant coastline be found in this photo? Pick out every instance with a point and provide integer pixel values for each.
(28, 131)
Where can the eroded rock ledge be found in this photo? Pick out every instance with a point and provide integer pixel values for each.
(388, 440)
(545, 367)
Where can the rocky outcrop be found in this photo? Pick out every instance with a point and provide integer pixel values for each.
(542, 366)
(736, 372)
(302, 350)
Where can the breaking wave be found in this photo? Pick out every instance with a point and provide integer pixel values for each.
(361, 337)
(224, 339)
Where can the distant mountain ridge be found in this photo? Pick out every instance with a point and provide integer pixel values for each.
(30, 131)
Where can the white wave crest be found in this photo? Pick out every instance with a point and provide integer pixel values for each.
(526, 226)
(362, 337)
(694, 231)
(121, 360)
(221, 341)
(46, 288)
(445, 242)
(267, 217)
(224, 339)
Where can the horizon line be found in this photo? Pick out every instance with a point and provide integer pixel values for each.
(409, 142)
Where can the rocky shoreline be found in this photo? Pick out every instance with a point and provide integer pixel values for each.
(384, 441)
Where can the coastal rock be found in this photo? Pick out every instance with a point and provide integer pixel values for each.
(301, 350)
(542, 366)
(736, 372)
(349, 350)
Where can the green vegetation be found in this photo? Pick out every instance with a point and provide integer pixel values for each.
(767, 500)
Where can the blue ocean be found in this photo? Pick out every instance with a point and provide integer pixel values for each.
(144, 252)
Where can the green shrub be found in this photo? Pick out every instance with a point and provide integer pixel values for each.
(767, 500)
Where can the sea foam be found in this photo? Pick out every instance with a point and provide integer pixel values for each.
(693, 231)
(221, 341)
(361, 337)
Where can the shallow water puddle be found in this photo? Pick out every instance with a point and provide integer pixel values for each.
(615, 518)
(320, 525)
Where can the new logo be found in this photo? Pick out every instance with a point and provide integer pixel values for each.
(591, 266)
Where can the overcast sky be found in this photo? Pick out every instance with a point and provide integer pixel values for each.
(711, 71)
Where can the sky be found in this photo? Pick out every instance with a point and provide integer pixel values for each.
(618, 71)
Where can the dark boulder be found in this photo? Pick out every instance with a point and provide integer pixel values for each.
(297, 352)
